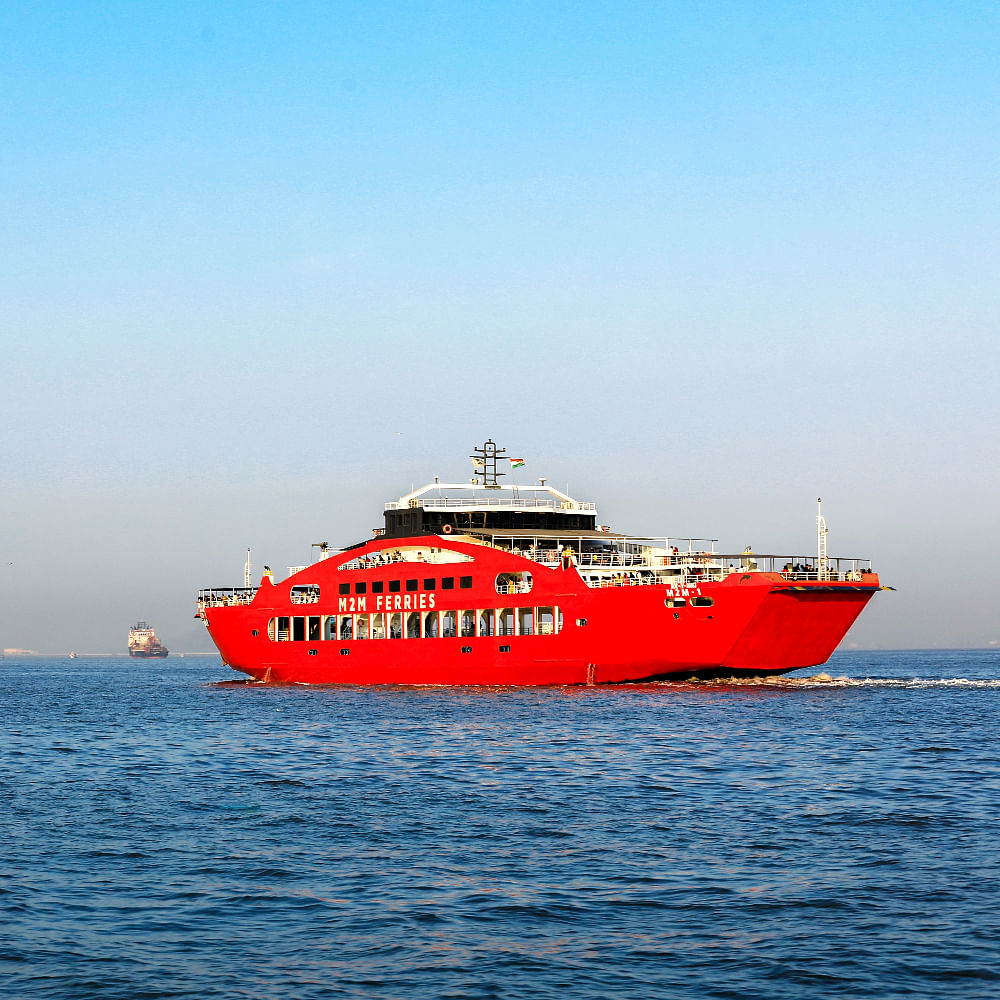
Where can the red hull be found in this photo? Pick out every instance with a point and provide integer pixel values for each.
(753, 623)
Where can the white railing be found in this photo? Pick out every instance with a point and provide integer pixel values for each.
(491, 503)
(215, 597)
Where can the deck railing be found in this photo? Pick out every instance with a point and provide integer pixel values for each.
(625, 569)
(215, 597)
(491, 503)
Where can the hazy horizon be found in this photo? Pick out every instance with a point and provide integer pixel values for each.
(269, 266)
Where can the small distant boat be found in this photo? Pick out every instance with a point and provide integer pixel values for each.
(72, 655)
(143, 643)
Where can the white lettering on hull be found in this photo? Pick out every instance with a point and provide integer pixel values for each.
(388, 602)
(350, 605)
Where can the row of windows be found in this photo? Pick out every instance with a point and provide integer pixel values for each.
(417, 624)
(430, 583)
(506, 583)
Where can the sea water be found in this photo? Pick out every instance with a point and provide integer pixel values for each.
(167, 832)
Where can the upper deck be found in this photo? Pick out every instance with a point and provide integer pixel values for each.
(546, 526)
(443, 508)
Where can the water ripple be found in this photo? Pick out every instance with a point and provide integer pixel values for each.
(168, 835)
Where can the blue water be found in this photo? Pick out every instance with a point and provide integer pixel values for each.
(168, 833)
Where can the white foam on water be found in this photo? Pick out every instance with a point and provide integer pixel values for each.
(826, 681)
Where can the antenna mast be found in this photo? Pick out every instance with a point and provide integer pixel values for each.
(822, 566)
(485, 462)
(246, 570)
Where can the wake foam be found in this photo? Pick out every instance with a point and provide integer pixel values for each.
(826, 681)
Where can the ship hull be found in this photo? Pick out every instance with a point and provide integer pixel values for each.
(156, 654)
(746, 624)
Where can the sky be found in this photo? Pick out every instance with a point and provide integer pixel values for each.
(268, 265)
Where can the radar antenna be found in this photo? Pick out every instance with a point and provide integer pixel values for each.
(485, 461)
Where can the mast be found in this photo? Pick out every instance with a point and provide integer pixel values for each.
(485, 462)
(822, 569)
(246, 570)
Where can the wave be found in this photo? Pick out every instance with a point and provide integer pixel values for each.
(826, 681)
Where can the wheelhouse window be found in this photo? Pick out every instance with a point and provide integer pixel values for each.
(447, 583)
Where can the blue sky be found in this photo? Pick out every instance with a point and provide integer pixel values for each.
(266, 265)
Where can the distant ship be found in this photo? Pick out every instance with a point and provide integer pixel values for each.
(142, 641)
(485, 583)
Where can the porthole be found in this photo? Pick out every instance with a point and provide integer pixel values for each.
(254, 632)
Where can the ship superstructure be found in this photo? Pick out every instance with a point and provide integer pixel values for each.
(491, 583)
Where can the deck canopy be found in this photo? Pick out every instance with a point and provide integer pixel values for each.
(441, 508)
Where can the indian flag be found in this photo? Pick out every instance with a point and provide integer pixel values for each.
(516, 463)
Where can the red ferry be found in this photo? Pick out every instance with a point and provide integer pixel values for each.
(484, 583)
